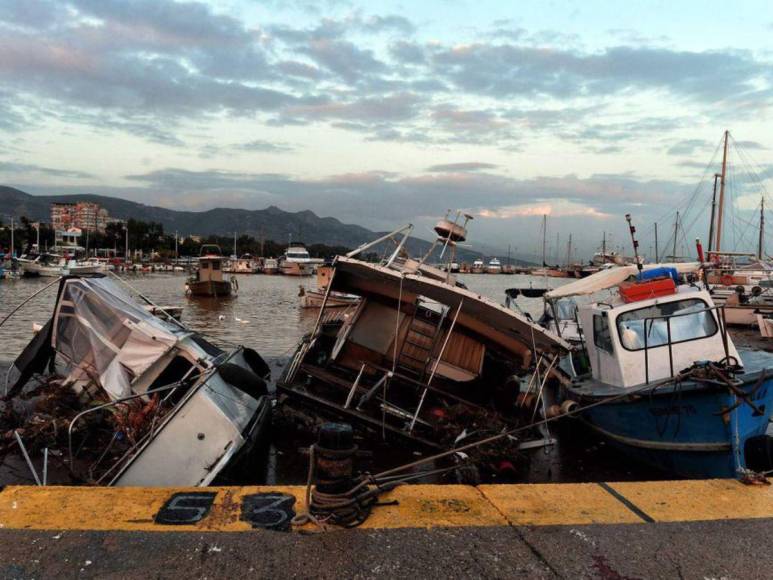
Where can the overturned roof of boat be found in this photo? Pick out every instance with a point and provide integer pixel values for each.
(606, 279)
(477, 313)
(102, 333)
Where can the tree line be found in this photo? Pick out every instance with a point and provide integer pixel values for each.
(150, 238)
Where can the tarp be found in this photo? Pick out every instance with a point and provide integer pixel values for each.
(610, 278)
(103, 334)
(478, 312)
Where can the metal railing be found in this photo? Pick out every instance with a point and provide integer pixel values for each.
(721, 325)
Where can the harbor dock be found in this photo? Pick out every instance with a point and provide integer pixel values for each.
(697, 528)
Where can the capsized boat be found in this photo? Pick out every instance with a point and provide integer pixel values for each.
(666, 382)
(420, 358)
(208, 280)
(124, 398)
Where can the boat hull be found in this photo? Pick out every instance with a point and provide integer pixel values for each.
(694, 430)
(209, 288)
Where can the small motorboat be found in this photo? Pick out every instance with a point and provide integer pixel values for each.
(209, 280)
(123, 397)
(315, 297)
(494, 266)
(666, 383)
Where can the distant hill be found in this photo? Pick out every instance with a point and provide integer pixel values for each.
(271, 223)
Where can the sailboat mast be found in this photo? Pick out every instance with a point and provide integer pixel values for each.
(760, 247)
(676, 232)
(604, 248)
(722, 193)
(713, 212)
(544, 236)
(657, 255)
(569, 251)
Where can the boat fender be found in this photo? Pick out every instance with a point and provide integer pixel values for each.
(568, 407)
(244, 380)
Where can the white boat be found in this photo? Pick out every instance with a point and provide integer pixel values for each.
(297, 261)
(270, 266)
(494, 266)
(54, 266)
(156, 403)
(478, 267)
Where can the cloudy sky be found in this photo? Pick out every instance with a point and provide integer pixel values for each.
(381, 112)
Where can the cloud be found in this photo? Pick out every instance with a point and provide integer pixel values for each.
(688, 146)
(9, 167)
(465, 166)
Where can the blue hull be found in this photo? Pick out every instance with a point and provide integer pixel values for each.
(692, 429)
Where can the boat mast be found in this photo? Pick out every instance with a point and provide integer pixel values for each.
(760, 249)
(569, 251)
(235, 254)
(722, 193)
(544, 235)
(604, 248)
(657, 255)
(676, 231)
(713, 213)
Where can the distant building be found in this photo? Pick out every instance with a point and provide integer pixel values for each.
(84, 215)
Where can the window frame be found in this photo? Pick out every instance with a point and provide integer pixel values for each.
(604, 317)
(706, 309)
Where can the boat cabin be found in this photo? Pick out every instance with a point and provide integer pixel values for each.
(210, 264)
(637, 342)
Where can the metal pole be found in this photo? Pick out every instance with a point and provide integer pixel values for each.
(27, 457)
(722, 194)
(437, 363)
(657, 254)
(676, 232)
(713, 214)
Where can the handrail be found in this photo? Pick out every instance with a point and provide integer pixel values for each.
(720, 320)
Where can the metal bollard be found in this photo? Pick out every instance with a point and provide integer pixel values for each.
(334, 458)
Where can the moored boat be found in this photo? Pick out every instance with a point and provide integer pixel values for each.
(666, 382)
(208, 280)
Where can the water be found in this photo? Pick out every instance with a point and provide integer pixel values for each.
(271, 321)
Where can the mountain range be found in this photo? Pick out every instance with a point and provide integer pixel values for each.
(271, 223)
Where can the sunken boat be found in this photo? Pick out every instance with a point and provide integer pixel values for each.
(419, 358)
(117, 396)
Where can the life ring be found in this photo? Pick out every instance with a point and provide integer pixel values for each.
(726, 280)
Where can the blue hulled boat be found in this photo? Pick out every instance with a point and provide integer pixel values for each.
(666, 382)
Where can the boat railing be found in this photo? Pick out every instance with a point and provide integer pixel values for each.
(721, 323)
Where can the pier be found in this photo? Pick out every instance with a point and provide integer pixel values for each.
(707, 528)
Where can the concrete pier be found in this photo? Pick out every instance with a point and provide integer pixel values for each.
(713, 529)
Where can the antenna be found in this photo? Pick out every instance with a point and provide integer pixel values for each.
(634, 241)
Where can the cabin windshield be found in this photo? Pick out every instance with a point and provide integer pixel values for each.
(689, 321)
(566, 309)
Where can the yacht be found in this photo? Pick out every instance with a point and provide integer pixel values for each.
(297, 261)
(494, 266)
(478, 267)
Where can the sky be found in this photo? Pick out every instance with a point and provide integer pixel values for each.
(383, 113)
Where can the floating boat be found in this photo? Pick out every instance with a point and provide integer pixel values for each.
(419, 358)
(270, 266)
(494, 266)
(208, 280)
(297, 261)
(666, 382)
(478, 267)
(54, 266)
(314, 297)
(124, 398)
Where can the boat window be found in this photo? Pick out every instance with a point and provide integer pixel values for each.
(205, 265)
(601, 335)
(215, 265)
(689, 320)
(566, 309)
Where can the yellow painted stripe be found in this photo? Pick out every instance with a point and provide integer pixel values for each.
(558, 504)
(699, 500)
(418, 506)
